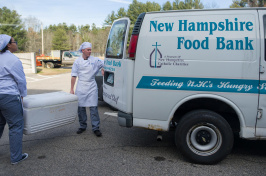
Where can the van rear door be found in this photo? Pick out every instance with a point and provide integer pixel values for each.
(118, 76)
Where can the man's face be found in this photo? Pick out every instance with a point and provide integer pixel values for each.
(86, 52)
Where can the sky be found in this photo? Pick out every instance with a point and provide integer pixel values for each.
(81, 12)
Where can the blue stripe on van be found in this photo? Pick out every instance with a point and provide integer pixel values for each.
(202, 84)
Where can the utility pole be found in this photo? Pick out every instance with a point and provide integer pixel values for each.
(42, 40)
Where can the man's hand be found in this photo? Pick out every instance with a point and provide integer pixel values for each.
(72, 92)
(102, 71)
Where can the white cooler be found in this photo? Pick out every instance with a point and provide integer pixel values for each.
(49, 110)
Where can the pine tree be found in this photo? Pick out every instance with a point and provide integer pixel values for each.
(121, 13)
(134, 9)
(152, 6)
(60, 40)
(110, 19)
(167, 6)
(11, 24)
(187, 4)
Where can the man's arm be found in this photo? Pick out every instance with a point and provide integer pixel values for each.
(101, 65)
(73, 81)
(74, 74)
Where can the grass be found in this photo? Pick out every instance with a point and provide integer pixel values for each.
(53, 71)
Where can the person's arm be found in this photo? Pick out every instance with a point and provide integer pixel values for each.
(101, 65)
(74, 74)
(103, 71)
(73, 81)
(19, 76)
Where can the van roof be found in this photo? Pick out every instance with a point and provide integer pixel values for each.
(189, 10)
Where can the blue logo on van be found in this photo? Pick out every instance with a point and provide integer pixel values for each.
(153, 56)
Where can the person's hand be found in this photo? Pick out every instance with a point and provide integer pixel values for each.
(102, 71)
(72, 92)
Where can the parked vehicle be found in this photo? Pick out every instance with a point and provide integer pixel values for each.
(201, 70)
(58, 58)
(38, 63)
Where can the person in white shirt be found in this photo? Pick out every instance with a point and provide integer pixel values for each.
(13, 88)
(85, 68)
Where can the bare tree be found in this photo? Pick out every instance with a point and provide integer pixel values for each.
(33, 27)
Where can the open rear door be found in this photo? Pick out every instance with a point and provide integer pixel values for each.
(118, 76)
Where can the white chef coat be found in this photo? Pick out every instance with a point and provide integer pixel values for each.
(86, 89)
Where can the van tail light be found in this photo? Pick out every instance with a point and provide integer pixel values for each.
(134, 37)
(133, 45)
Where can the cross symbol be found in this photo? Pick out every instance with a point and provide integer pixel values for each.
(156, 52)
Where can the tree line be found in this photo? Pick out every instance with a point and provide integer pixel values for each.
(247, 3)
(28, 32)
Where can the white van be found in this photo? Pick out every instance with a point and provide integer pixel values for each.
(201, 70)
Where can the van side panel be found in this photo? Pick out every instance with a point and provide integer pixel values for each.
(181, 54)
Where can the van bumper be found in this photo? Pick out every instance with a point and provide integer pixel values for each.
(124, 119)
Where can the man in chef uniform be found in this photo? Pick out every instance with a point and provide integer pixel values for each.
(85, 68)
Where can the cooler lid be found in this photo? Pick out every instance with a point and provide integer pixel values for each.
(48, 99)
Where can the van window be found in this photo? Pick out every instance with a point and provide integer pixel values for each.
(264, 24)
(115, 43)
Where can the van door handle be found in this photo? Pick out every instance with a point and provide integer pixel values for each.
(259, 115)
(262, 69)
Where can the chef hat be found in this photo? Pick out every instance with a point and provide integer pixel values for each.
(4, 40)
(84, 45)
